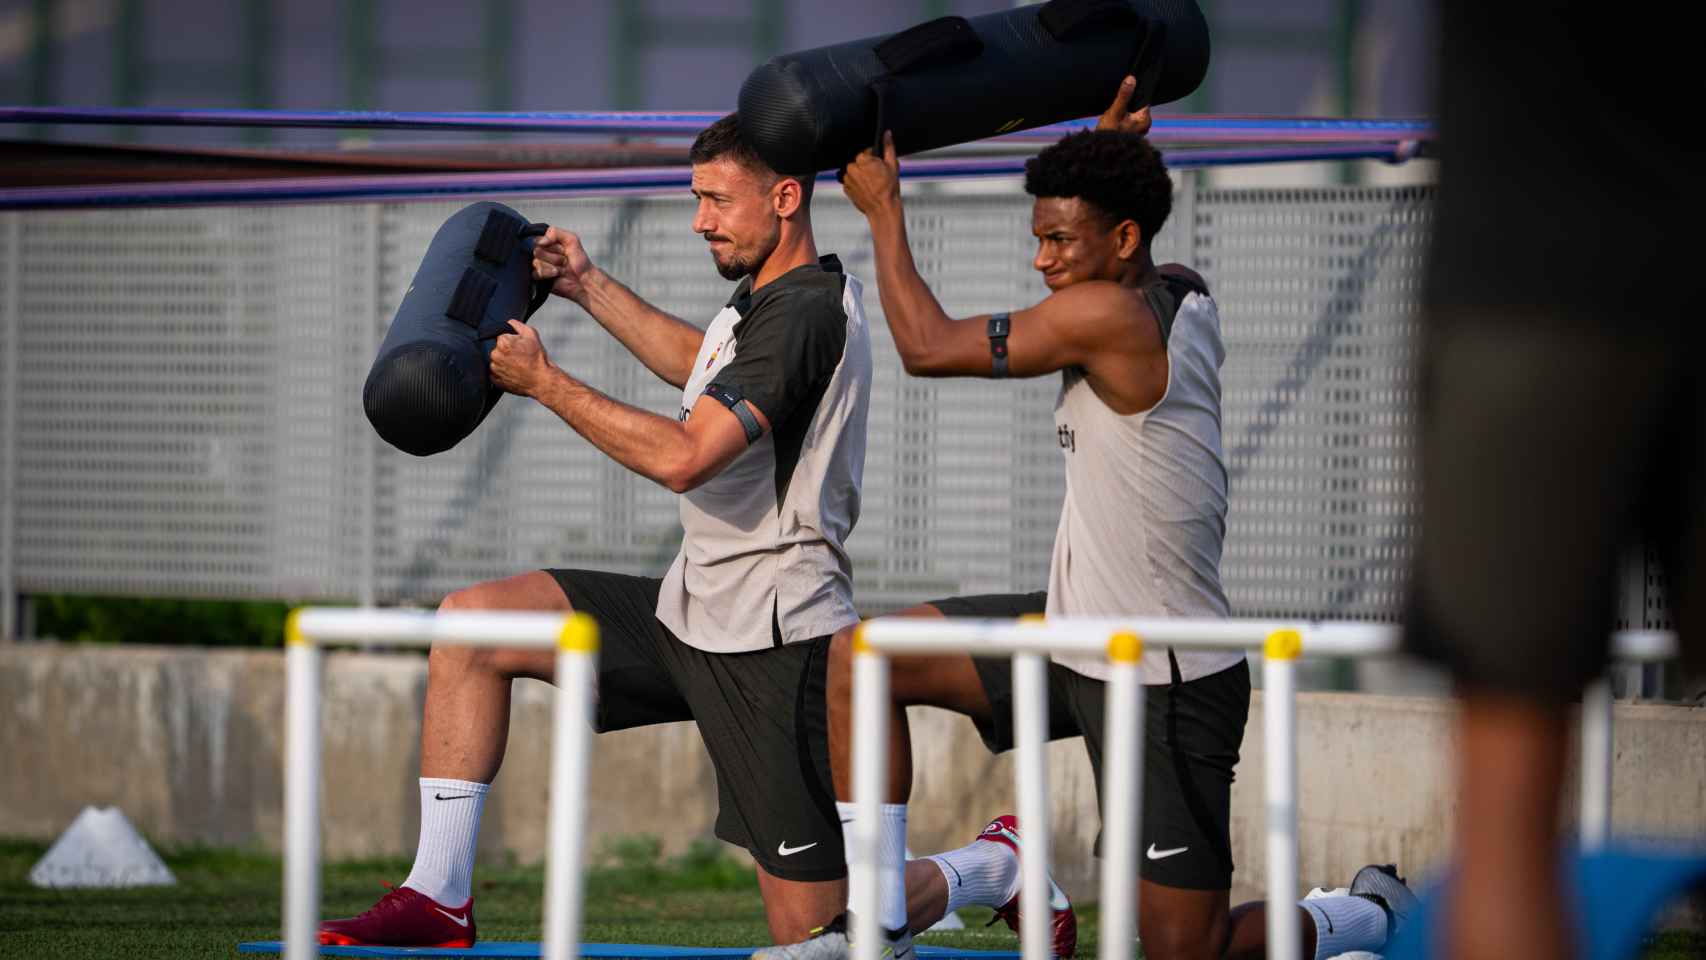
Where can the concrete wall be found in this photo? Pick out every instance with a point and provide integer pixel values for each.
(189, 744)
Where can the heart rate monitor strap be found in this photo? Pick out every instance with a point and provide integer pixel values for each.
(999, 326)
(731, 397)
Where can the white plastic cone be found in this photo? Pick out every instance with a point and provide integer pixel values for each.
(101, 849)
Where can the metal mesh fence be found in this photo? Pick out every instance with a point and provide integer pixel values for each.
(188, 416)
(1318, 292)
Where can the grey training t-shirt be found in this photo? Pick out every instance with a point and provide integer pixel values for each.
(763, 558)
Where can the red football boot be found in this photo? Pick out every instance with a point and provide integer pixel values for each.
(1005, 830)
(404, 918)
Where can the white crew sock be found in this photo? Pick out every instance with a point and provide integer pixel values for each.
(891, 908)
(450, 823)
(1344, 924)
(981, 873)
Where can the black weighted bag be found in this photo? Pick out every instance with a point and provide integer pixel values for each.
(955, 80)
(431, 385)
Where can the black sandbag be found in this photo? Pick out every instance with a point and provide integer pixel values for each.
(955, 80)
(431, 384)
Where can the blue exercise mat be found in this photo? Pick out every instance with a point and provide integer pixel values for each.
(613, 951)
(1617, 896)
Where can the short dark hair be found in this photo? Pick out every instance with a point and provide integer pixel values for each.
(723, 139)
(1119, 174)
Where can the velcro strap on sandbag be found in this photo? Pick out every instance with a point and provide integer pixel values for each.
(1065, 19)
(473, 295)
(498, 237)
(933, 43)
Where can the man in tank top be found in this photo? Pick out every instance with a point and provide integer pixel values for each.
(1139, 350)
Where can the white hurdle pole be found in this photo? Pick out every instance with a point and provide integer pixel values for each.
(1030, 737)
(1122, 795)
(870, 784)
(576, 640)
(1598, 750)
(301, 794)
(571, 750)
(1279, 737)
(1596, 764)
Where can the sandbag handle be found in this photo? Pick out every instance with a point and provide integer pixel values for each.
(882, 87)
(1146, 65)
(541, 289)
(933, 43)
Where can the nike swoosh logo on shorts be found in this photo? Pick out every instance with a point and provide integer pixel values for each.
(1155, 854)
(461, 796)
(461, 921)
(783, 850)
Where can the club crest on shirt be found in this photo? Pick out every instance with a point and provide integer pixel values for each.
(714, 352)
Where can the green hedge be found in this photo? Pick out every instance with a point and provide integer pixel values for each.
(215, 623)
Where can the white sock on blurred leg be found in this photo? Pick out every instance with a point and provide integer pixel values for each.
(450, 826)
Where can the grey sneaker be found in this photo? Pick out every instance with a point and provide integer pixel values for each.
(1381, 885)
(833, 942)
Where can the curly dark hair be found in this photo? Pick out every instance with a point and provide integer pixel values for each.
(723, 139)
(1119, 174)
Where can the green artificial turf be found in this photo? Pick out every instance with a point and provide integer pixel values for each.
(224, 897)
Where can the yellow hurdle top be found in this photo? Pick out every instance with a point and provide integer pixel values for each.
(1125, 647)
(293, 630)
(580, 633)
(1283, 645)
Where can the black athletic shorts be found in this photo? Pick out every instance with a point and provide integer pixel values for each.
(753, 710)
(1192, 732)
(1563, 414)
(1548, 452)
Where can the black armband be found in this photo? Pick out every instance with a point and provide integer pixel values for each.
(999, 326)
(732, 398)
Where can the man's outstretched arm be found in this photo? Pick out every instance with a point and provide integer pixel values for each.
(678, 455)
(665, 343)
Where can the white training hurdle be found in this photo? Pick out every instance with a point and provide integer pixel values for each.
(1029, 642)
(575, 638)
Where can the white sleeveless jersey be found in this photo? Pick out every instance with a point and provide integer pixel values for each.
(1145, 512)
